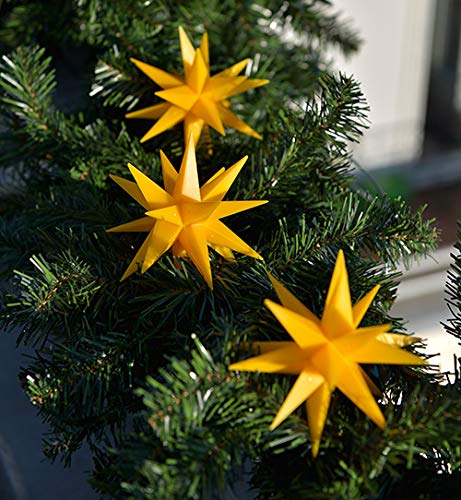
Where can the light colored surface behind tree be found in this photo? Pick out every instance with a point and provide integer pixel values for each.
(393, 67)
(421, 302)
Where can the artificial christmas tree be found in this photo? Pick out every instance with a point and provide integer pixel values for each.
(139, 369)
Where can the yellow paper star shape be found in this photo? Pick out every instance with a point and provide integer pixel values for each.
(196, 98)
(326, 352)
(185, 216)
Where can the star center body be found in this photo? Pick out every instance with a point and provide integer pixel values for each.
(186, 213)
(326, 358)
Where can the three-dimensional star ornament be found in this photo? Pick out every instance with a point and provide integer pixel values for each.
(326, 353)
(196, 98)
(185, 216)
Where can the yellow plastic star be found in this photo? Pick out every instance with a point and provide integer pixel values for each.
(326, 353)
(185, 216)
(196, 98)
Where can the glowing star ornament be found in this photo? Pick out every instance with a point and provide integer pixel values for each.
(196, 98)
(185, 216)
(326, 353)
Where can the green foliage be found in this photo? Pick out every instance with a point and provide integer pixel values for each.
(194, 429)
(198, 415)
(53, 295)
(453, 325)
(417, 456)
(46, 138)
(198, 431)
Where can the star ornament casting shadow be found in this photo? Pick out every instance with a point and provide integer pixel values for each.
(197, 99)
(184, 216)
(327, 352)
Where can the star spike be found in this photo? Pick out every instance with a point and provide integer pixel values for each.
(154, 194)
(307, 383)
(187, 50)
(247, 85)
(199, 73)
(226, 208)
(225, 252)
(233, 70)
(184, 97)
(286, 358)
(216, 188)
(355, 387)
(212, 178)
(194, 126)
(187, 185)
(291, 302)
(169, 173)
(145, 224)
(194, 241)
(398, 340)
(231, 120)
(151, 112)
(317, 411)
(204, 47)
(160, 77)
(138, 258)
(337, 315)
(163, 236)
(367, 348)
(197, 99)
(168, 214)
(132, 189)
(359, 309)
(171, 117)
(306, 333)
(221, 235)
(222, 88)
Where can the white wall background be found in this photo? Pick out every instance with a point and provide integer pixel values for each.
(393, 67)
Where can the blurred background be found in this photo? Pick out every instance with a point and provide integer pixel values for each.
(409, 65)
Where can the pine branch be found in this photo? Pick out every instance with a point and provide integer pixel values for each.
(28, 83)
(197, 428)
(416, 456)
(305, 159)
(453, 292)
(89, 384)
(50, 138)
(23, 21)
(384, 227)
(49, 299)
(323, 24)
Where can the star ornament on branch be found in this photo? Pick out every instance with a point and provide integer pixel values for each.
(184, 216)
(326, 353)
(197, 99)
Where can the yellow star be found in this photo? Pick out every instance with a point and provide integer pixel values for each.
(326, 353)
(185, 216)
(196, 98)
